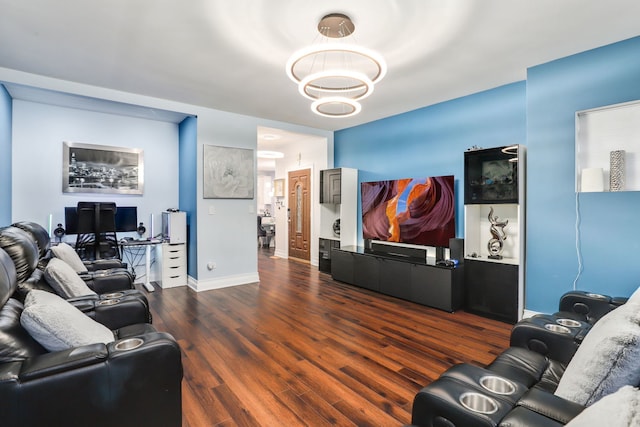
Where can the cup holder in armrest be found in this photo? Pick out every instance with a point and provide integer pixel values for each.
(129, 344)
(109, 302)
(570, 323)
(113, 295)
(497, 385)
(479, 403)
(557, 328)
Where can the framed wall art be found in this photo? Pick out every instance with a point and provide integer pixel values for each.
(278, 187)
(90, 168)
(228, 173)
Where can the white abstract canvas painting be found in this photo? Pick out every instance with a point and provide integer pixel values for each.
(228, 173)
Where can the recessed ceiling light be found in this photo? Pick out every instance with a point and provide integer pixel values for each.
(270, 137)
(270, 154)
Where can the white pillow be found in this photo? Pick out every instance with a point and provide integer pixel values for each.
(70, 256)
(619, 409)
(66, 282)
(58, 325)
(607, 359)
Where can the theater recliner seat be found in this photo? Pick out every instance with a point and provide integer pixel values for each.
(115, 308)
(132, 380)
(524, 388)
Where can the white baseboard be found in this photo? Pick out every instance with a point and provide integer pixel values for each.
(223, 282)
(281, 253)
(192, 283)
(285, 255)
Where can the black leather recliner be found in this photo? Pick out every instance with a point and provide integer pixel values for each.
(559, 335)
(113, 306)
(520, 387)
(133, 381)
(586, 306)
(43, 240)
(102, 275)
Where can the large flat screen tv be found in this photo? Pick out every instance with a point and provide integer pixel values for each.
(419, 211)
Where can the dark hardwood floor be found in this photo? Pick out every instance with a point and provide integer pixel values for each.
(302, 349)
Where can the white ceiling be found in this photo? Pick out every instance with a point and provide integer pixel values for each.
(230, 55)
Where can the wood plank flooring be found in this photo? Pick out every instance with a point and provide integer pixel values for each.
(302, 349)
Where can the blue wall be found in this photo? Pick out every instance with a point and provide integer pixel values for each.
(539, 113)
(187, 189)
(431, 141)
(5, 156)
(609, 228)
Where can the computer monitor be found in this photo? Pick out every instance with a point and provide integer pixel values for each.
(70, 220)
(126, 219)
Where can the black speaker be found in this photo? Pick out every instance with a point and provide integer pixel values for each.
(141, 230)
(367, 244)
(456, 249)
(59, 232)
(399, 251)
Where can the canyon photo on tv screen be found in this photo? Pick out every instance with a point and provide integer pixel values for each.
(419, 211)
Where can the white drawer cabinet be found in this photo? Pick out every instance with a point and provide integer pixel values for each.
(174, 265)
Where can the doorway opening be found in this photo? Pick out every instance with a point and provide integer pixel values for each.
(280, 152)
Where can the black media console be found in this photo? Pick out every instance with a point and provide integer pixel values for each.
(400, 272)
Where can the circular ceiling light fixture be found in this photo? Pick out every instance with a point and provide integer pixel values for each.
(270, 136)
(336, 106)
(264, 154)
(349, 84)
(339, 70)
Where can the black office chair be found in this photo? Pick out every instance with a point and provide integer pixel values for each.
(96, 238)
(262, 233)
(106, 232)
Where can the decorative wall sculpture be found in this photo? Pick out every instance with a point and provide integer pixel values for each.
(498, 236)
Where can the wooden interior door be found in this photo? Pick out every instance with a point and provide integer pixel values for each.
(300, 214)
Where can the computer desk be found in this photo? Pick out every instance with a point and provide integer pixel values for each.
(132, 256)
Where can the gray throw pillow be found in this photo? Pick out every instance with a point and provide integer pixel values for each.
(619, 409)
(66, 282)
(70, 256)
(58, 325)
(607, 359)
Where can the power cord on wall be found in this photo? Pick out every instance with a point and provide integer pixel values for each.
(577, 226)
(578, 250)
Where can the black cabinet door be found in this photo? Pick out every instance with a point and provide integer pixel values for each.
(366, 272)
(491, 289)
(491, 176)
(435, 287)
(324, 254)
(395, 278)
(342, 266)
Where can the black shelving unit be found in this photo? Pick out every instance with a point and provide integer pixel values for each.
(493, 185)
